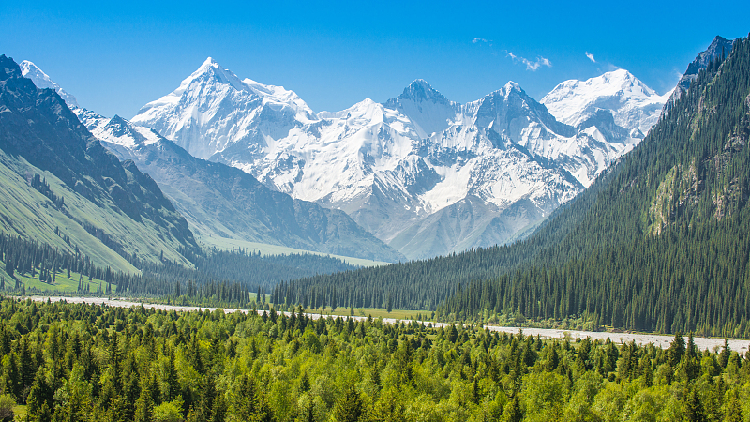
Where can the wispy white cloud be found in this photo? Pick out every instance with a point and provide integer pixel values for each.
(482, 41)
(590, 56)
(531, 65)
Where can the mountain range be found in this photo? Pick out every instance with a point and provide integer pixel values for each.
(424, 174)
(221, 201)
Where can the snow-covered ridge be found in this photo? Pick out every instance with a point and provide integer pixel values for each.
(213, 109)
(116, 130)
(42, 80)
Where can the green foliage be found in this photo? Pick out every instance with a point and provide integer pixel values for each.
(35, 266)
(81, 362)
(7, 403)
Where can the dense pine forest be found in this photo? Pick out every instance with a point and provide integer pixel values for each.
(75, 362)
(660, 242)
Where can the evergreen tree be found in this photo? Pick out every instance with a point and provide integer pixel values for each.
(350, 408)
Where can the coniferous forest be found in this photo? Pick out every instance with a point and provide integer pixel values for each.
(219, 277)
(75, 362)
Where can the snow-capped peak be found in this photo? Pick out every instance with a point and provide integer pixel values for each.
(511, 86)
(420, 90)
(208, 71)
(426, 107)
(42, 80)
(632, 103)
(213, 109)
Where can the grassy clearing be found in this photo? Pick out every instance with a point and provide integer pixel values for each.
(401, 314)
(62, 283)
(229, 244)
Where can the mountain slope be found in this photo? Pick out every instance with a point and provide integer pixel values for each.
(394, 166)
(664, 246)
(719, 48)
(222, 201)
(42, 80)
(84, 197)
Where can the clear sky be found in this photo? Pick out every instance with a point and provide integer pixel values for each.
(116, 56)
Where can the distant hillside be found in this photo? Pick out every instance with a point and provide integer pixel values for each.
(61, 187)
(225, 202)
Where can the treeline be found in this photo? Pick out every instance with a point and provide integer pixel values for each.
(41, 185)
(250, 267)
(694, 279)
(81, 362)
(43, 261)
(413, 285)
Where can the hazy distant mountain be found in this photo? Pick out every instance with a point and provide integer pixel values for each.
(405, 169)
(219, 200)
(62, 187)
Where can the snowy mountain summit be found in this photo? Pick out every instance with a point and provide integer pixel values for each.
(213, 109)
(425, 174)
(633, 106)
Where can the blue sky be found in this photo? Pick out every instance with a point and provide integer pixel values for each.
(115, 57)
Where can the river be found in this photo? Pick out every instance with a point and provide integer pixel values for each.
(738, 345)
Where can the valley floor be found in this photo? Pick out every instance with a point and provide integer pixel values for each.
(661, 341)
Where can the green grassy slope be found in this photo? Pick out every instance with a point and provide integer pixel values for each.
(25, 211)
(225, 243)
(111, 211)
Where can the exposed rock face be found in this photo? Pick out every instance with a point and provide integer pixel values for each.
(720, 47)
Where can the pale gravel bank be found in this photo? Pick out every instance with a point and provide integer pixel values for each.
(739, 345)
